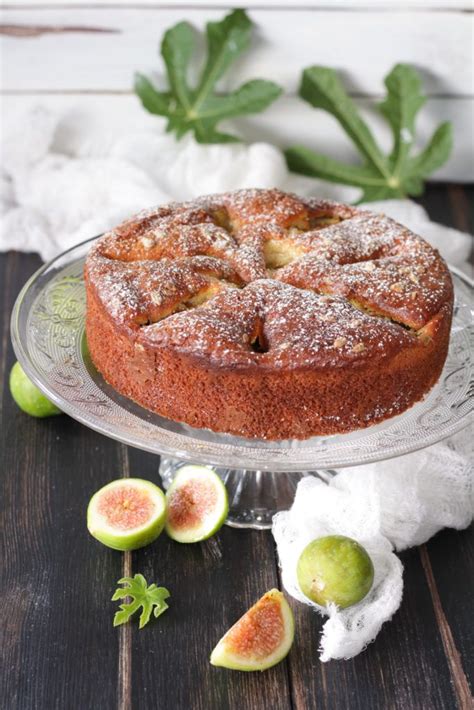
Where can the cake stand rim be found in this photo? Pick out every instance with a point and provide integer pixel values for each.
(275, 466)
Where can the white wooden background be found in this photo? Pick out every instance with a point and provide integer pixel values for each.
(83, 54)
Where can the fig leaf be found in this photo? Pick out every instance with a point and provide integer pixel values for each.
(200, 108)
(380, 176)
(148, 598)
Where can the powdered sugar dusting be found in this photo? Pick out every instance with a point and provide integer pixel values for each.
(264, 278)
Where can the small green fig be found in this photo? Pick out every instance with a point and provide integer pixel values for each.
(27, 396)
(335, 569)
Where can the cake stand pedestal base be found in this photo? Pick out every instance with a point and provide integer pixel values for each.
(254, 496)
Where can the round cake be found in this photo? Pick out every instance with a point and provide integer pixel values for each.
(267, 315)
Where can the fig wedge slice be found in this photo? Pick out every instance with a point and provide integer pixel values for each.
(260, 639)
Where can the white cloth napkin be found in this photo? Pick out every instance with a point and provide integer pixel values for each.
(387, 507)
(69, 177)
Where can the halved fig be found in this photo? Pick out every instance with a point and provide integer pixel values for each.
(196, 503)
(261, 638)
(127, 514)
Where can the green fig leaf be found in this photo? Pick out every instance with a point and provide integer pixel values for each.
(400, 108)
(434, 155)
(378, 175)
(200, 109)
(148, 598)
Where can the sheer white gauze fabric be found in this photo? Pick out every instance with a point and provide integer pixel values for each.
(68, 177)
(387, 507)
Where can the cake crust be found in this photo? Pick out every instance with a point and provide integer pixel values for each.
(266, 315)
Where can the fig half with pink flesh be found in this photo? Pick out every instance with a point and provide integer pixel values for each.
(196, 504)
(127, 514)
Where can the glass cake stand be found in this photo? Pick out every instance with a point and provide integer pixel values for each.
(47, 330)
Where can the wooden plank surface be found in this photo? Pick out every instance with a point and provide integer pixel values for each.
(211, 585)
(59, 643)
(60, 650)
(405, 668)
(85, 55)
(364, 46)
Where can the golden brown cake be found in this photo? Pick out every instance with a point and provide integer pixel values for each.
(267, 315)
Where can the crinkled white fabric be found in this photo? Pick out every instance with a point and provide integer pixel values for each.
(68, 177)
(61, 185)
(386, 507)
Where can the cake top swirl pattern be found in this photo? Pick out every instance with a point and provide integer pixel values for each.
(263, 278)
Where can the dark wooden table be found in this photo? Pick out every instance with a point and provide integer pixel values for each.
(60, 649)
